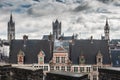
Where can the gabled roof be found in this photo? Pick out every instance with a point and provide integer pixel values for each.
(60, 49)
(41, 52)
(31, 50)
(90, 50)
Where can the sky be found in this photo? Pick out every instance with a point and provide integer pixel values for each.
(83, 17)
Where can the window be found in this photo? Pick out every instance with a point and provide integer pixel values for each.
(81, 69)
(62, 59)
(41, 67)
(63, 68)
(99, 59)
(57, 59)
(57, 67)
(52, 68)
(88, 69)
(41, 59)
(68, 68)
(94, 77)
(75, 69)
(45, 68)
(94, 68)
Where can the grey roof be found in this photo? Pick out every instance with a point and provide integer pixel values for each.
(31, 49)
(89, 49)
(115, 57)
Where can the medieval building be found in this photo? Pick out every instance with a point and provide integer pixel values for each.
(58, 52)
(11, 29)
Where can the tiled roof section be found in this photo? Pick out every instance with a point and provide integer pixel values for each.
(31, 50)
(89, 50)
(115, 55)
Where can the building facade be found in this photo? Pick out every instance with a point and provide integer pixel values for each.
(63, 53)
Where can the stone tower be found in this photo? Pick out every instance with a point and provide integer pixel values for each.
(106, 30)
(11, 29)
(56, 29)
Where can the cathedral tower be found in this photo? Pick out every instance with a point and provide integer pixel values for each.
(11, 29)
(106, 30)
(56, 29)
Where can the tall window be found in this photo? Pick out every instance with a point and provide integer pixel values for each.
(57, 59)
(57, 67)
(88, 69)
(41, 59)
(62, 59)
(81, 69)
(63, 68)
(45, 68)
(99, 59)
(94, 68)
(94, 77)
(68, 68)
(52, 68)
(75, 69)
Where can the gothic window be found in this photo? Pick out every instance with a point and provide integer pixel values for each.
(62, 59)
(57, 59)
(75, 69)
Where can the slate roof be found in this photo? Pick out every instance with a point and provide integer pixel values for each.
(89, 49)
(115, 57)
(31, 49)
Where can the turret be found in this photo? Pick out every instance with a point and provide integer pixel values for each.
(106, 30)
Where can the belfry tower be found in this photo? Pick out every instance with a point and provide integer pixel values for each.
(56, 29)
(106, 30)
(11, 29)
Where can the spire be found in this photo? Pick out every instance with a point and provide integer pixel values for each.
(11, 19)
(56, 21)
(106, 25)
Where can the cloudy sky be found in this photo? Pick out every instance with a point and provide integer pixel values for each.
(83, 17)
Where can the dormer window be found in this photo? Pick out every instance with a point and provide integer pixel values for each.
(41, 56)
(21, 57)
(82, 58)
(99, 57)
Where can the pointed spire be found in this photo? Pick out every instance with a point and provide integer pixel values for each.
(106, 25)
(11, 19)
(56, 21)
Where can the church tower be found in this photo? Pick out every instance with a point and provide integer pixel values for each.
(56, 29)
(106, 30)
(11, 29)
